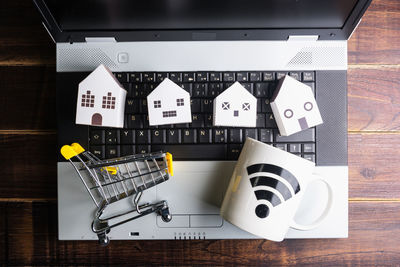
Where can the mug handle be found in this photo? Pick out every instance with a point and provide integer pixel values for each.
(325, 213)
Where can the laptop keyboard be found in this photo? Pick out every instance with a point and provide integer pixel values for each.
(199, 140)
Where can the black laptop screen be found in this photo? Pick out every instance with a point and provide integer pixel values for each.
(114, 15)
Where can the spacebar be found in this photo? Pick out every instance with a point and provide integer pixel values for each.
(194, 152)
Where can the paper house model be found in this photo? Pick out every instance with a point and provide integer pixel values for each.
(294, 107)
(101, 100)
(235, 107)
(168, 103)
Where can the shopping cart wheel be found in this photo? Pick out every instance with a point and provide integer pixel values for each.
(165, 215)
(103, 239)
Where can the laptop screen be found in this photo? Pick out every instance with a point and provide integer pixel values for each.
(121, 15)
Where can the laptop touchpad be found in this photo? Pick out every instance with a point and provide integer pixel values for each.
(196, 187)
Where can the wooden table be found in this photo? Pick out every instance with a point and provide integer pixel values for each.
(28, 210)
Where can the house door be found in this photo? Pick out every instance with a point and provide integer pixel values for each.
(97, 119)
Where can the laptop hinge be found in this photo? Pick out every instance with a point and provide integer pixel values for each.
(100, 40)
(303, 38)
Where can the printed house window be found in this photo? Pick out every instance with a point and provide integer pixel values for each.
(157, 104)
(108, 101)
(87, 100)
(180, 102)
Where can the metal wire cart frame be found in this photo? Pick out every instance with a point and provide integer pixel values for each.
(108, 181)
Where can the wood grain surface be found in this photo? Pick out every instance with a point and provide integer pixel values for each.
(28, 192)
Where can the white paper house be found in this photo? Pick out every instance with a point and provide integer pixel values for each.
(169, 103)
(101, 100)
(235, 107)
(294, 107)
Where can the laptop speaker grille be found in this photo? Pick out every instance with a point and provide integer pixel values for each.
(93, 57)
(320, 56)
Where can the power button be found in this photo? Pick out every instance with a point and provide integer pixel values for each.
(123, 57)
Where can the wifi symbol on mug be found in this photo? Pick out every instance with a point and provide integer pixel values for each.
(262, 210)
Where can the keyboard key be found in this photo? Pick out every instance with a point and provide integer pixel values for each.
(261, 89)
(202, 76)
(205, 136)
(189, 136)
(160, 76)
(98, 151)
(143, 105)
(112, 152)
(136, 90)
(195, 105)
(197, 121)
(126, 150)
(309, 148)
(122, 77)
(252, 133)
(214, 89)
(112, 137)
(97, 137)
(182, 125)
(208, 121)
(270, 121)
(200, 89)
(207, 105)
(255, 76)
(174, 136)
(281, 146)
(131, 106)
(146, 122)
(142, 137)
(195, 152)
(127, 136)
(295, 148)
(228, 77)
(235, 136)
(281, 74)
(266, 135)
(135, 121)
(215, 76)
(158, 137)
(300, 137)
(143, 149)
(135, 77)
(227, 85)
(188, 77)
(234, 151)
(308, 76)
(176, 77)
(260, 122)
(149, 77)
(220, 135)
(248, 86)
(265, 105)
(268, 76)
(310, 157)
(242, 76)
(295, 75)
(259, 107)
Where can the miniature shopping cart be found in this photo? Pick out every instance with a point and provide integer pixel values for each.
(108, 181)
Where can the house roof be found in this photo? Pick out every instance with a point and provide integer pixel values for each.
(289, 87)
(236, 90)
(167, 87)
(101, 77)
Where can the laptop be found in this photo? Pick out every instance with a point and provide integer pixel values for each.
(203, 46)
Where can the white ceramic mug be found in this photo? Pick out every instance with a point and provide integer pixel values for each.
(265, 191)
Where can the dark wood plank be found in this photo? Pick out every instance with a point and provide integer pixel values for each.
(29, 96)
(373, 240)
(377, 39)
(374, 99)
(28, 166)
(374, 165)
(23, 40)
(3, 235)
(29, 163)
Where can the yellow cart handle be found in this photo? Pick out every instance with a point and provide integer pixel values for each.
(71, 151)
(170, 166)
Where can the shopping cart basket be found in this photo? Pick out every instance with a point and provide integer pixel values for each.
(108, 181)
